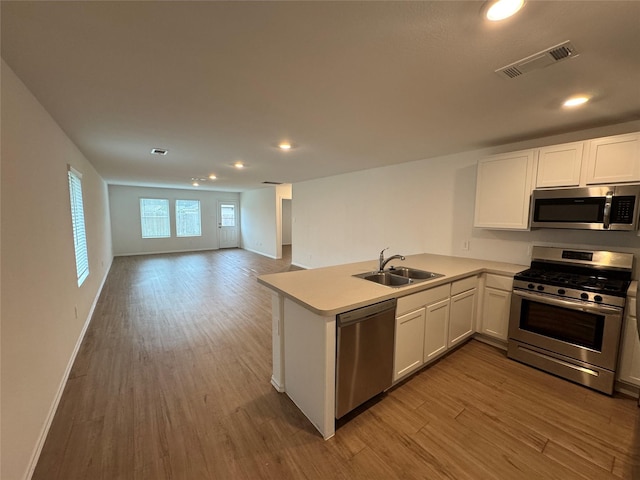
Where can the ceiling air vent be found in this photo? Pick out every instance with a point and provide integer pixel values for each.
(159, 151)
(272, 183)
(539, 60)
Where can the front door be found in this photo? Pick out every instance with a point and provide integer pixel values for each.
(228, 224)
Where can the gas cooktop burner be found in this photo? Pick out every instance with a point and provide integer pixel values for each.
(582, 282)
(604, 284)
(597, 277)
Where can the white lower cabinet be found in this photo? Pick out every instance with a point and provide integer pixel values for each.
(495, 313)
(496, 304)
(409, 343)
(463, 310)
(435, 333)
(430, 322)
(629, 366)
(421, 329)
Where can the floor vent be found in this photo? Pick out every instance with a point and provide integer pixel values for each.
(539, 60)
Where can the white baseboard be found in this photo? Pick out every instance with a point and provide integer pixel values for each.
(494, 342)
(304, 267)
(54, 406)
(630, 390)
(259, 253)
(277, 386)
(133, 254)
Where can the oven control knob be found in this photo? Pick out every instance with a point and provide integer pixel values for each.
(540, 287)
(531, 286)
(561, 291)
(597, 298)
(584, 296)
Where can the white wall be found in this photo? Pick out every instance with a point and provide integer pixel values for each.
(286, 221)
(125, 219)
(258, 221)
(261, 219)
(423, 206)
(40, 329)
(283, 226)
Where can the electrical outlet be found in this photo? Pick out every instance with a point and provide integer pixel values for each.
(75, 309)
(466, 245)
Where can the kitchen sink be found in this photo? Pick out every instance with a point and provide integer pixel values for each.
(399, 276)
(413, 273)
(385, 278)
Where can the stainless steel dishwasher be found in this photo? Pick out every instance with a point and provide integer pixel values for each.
(364, 362)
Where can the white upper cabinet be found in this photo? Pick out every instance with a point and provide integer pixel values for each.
(614, 159)
(504, 182)
(559, 165)
(503, 190)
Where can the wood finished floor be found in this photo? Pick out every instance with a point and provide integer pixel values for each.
(172, 382)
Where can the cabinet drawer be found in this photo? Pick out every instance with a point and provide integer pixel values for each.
(631, 306)
(420, 299)
(463, 285)
(499, 282)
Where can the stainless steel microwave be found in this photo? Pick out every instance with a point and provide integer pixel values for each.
(613, 207)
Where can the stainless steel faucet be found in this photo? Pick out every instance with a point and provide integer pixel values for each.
(384, 262)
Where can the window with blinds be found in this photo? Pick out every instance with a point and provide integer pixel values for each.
(77, 221)
(154, 218)
(188, 219)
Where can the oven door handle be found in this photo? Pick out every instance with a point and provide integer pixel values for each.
(566, 303)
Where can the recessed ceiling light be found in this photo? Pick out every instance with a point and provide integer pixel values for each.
(576, 101)
(212, 177)
(285, 146)
(238, 165)
(159, 151)
(501, 9)
(195, 184)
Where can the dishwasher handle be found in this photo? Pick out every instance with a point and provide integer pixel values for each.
(361, 314)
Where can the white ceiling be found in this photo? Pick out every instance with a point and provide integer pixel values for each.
(354, 85)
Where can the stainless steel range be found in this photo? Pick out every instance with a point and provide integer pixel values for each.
(566, 314)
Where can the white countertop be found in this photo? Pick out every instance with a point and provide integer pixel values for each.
(328, 291)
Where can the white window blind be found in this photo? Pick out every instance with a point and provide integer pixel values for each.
(77, 221)
(188, 219)
(154, 218)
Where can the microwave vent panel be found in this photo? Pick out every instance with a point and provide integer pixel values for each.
(539, 60)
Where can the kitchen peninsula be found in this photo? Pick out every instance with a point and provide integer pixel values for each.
(304, 308)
